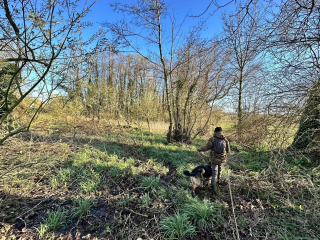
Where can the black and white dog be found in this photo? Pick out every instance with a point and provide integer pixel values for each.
(198, 174)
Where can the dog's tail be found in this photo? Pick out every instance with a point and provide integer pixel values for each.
(187, 173)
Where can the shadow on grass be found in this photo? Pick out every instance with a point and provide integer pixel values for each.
(111, 172)
(94, 168)
(20, 217)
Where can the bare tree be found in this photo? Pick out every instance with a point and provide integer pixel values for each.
(188, 66)
(293, 42)
(35, 37)
(241, 32)
(200, 78)
(146, 27)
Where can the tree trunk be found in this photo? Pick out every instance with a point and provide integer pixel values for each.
(240, 105)
(309, 128)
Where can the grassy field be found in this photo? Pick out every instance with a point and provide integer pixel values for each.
(118, 182)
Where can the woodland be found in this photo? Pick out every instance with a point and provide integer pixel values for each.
(96, 130)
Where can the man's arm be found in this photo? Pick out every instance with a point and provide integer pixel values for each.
(228, 150)
(206, 147)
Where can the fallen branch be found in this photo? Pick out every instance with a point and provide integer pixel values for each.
(135, 212)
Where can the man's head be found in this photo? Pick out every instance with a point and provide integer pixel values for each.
(218, 129)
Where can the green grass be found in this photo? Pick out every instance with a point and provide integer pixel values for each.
(150, 183)
(145, 200)
(62, 178)
(148, 137)
(82, 207)
(204, 213)
(173, 154)
(113, 149)
(177, 226)
(181, 196)
(124, 201)
(255, 160)
(183, 183)
(114, 172)
(54, 220)
(165, 193)
(87, 166)
(287, 190)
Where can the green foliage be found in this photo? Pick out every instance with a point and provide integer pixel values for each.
(242, 223)
(145, 200)
(183, 183)
(235, 147)
(113, 149)
(90, 185)
(152, 138)
(255, 160)
(62, 178)
(6, 73)
(82, 207)
(287, 224)
(89, 167)
(177, 225)
(124, 201)
(114, 172)
(150, 183)
(181, 196)
(85, 169)
(300, 161)
(173, 154)
(203, 213)
(54, 220)
(165, 193)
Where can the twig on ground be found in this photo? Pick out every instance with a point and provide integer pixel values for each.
(135, 212)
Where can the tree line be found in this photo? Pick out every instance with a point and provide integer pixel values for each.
(265, 62)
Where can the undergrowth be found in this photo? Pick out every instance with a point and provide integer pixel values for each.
(128, 183)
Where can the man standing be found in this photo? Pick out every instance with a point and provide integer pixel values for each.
(219, 147)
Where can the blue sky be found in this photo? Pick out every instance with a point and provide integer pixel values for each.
(101, 11)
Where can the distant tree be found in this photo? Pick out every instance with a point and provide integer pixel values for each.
(196, 61)
(147, 26)
(35, 37)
